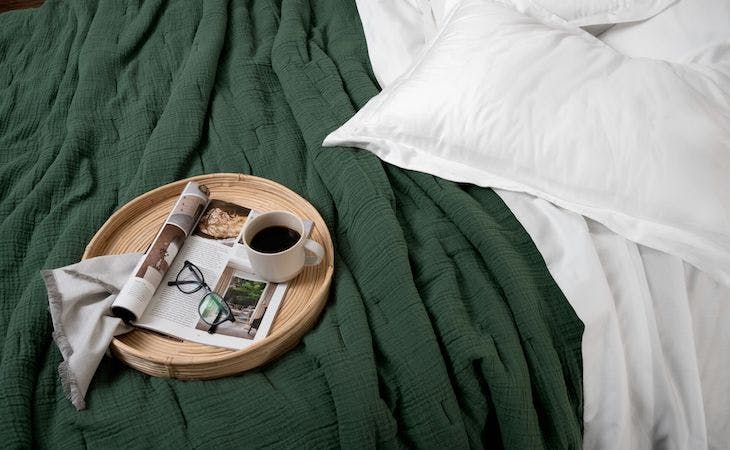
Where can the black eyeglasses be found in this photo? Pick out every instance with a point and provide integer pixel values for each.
(213, 309)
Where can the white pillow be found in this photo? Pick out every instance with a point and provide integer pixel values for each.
(678, 34)
(503, 100)
(596, 12)
(398, 30)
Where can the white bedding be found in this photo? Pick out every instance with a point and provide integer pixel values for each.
(656, 352)
(506, 100)
(656, 346)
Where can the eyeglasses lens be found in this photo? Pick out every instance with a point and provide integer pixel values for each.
(190, 279)
(213, 310)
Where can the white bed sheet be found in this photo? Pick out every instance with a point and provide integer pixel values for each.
(656, 342)
(656, 346)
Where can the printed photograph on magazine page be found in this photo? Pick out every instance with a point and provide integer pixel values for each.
(222, 222)
(247, 297)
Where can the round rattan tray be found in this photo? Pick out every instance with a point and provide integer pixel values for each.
(132, 228)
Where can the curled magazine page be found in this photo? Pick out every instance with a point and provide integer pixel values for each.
(148, 274)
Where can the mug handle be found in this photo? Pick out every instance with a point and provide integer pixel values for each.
(317, 253)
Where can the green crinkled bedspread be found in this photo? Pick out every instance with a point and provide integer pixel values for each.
(443, 329)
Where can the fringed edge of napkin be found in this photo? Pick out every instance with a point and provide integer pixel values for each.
(68, 379)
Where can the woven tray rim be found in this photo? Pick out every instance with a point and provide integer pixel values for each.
(279, 340)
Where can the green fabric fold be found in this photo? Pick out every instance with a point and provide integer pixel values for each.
(443, 327)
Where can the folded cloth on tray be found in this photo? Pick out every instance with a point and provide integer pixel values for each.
(79, 300)
(444, 327)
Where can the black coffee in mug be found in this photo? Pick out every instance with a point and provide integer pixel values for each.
(274, 239)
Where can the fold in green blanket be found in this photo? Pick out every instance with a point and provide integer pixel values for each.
(443, 328)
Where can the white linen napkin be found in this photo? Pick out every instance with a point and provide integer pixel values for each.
(79, 299)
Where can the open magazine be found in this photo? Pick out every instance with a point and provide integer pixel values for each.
(202, 235)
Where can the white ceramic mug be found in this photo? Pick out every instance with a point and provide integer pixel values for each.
(286, 264)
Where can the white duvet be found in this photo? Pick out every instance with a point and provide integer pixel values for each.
(656, 349)
(656, 346)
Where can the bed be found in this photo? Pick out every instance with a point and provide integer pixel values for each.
(459, 316)
(654, 346)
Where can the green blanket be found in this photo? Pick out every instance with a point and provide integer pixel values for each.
(443, 328)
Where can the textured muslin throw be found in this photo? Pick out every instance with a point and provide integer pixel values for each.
(79, 299)
(444, 328)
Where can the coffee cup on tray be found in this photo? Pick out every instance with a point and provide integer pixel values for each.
(277, 247)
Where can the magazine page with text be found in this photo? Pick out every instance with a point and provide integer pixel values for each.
(206, 296)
